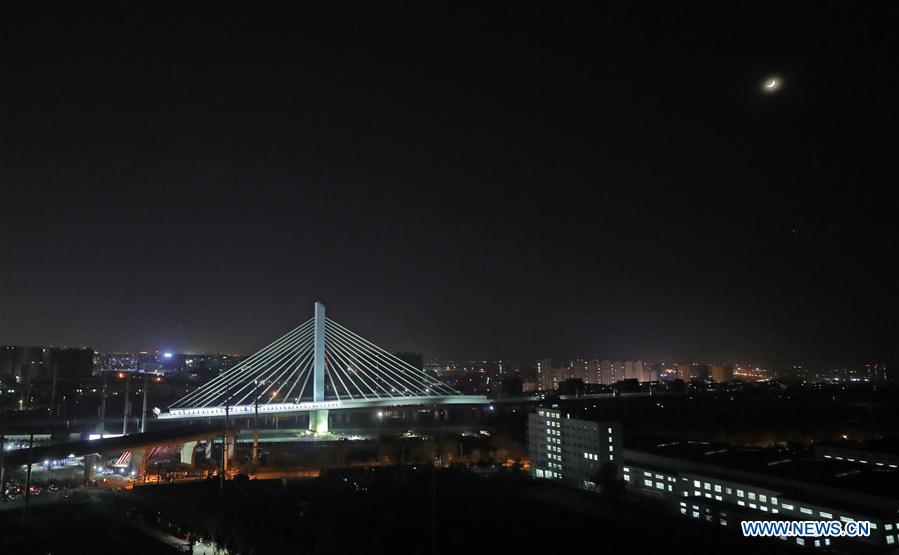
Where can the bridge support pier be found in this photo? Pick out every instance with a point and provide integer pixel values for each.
(209, 443)
(139, 461)
(318, 421)
(189, 453)
(90, 461)
(228, 449)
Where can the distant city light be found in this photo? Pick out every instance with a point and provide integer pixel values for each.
(166, 355)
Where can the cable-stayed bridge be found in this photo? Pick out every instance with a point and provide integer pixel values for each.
(316, 367)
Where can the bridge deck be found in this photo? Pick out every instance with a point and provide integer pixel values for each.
(343, 404)
(59, 451)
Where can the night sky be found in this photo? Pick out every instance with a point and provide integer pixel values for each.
(514, 183)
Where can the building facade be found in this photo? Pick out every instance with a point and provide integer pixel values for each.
(580, 452)
(545, 374)
(725, 495)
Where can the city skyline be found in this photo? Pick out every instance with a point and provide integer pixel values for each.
(770, 360)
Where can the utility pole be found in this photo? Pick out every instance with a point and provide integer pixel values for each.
(27, 399)
(2, 444)
(127, 408)
(256, 426)
(53, 392)
(434, 509)
(28, 481)
(143, 414)
(103, 409)
(225, 443)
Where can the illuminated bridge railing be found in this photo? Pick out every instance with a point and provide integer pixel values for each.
(288, 408)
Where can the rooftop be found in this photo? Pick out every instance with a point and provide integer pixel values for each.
(792, 471)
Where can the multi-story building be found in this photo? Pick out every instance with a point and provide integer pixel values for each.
(594, 371)
(685, 371)
(629, 372)
(26, 363)
(725, 485)
(579, 452)
(578, 370)
(652, 371)
(612, 371)
(876, 372)
(545, 375)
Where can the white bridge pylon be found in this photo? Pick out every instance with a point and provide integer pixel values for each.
(318, 366)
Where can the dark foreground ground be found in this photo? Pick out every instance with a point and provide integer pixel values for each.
(384, 510)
